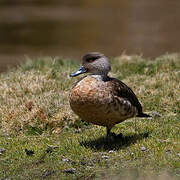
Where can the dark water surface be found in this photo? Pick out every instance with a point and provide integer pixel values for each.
(71, 28)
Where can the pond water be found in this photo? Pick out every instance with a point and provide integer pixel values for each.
(71, 28)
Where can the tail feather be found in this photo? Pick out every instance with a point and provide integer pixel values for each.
(143, 115)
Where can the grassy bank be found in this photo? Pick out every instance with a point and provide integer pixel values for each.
(40, 137)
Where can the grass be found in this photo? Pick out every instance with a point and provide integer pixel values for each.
(35, 115)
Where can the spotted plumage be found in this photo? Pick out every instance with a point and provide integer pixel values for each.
(100, 99)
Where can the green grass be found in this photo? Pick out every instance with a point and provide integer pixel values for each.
(35, 115)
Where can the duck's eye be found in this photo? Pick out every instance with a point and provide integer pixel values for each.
(91, 59)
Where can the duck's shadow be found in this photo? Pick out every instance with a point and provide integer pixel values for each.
(117, 143)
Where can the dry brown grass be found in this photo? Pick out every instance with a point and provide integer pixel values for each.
(33, 98)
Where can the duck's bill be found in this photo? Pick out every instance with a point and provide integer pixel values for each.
(80, 71)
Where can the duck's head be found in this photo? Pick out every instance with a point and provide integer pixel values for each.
(94, 63)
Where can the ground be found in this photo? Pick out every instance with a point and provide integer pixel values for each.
(40, 136)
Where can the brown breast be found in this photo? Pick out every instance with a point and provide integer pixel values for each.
(94, 101)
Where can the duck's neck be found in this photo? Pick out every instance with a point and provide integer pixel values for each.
(102, 77)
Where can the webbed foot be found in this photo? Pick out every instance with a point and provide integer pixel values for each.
(119, 136)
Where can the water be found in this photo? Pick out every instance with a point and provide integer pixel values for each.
(71, 28)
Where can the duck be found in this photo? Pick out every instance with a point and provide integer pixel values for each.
(100, 99)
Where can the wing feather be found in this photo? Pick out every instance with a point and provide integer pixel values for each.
(123, 91)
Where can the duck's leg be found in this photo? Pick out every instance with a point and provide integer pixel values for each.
(108, 130)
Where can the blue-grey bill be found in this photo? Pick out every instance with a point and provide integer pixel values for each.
(80, 71)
